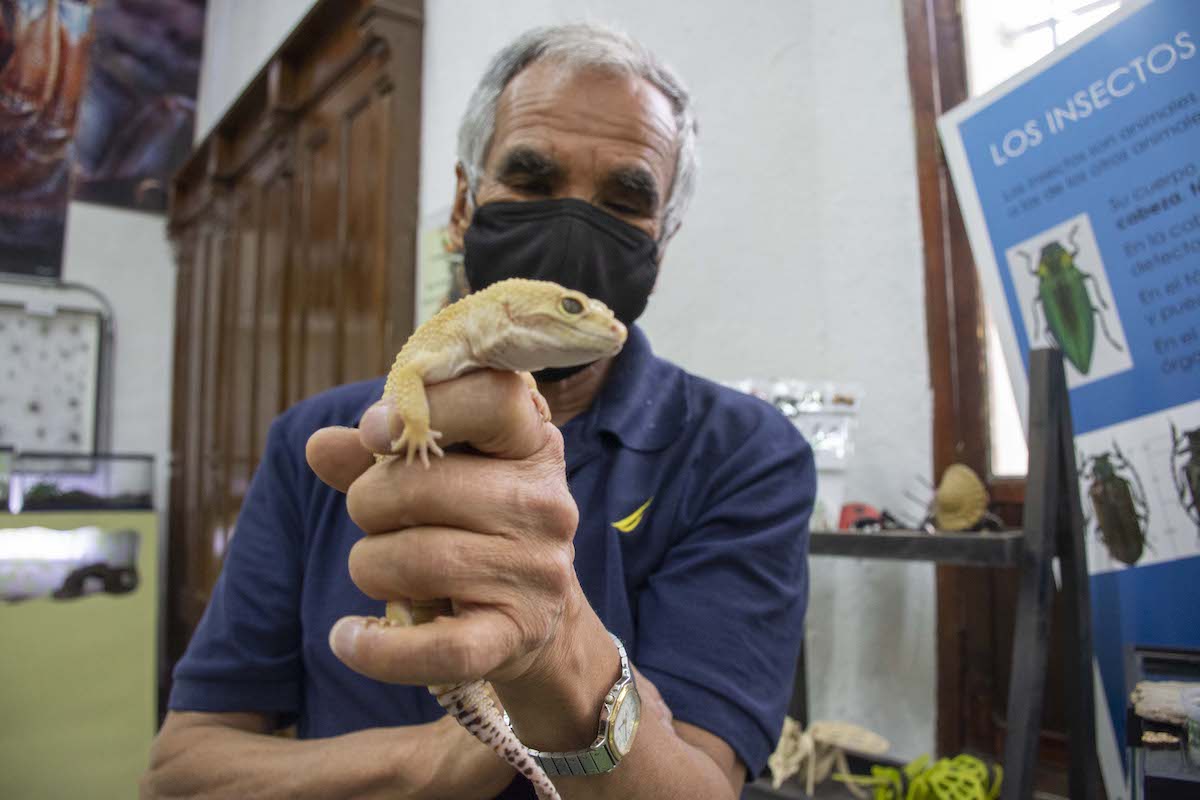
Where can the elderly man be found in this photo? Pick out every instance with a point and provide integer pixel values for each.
(656, 509)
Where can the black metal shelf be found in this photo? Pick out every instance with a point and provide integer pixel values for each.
(999, 549)
(1052, 527)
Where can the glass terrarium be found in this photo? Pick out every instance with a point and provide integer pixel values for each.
(70, 482)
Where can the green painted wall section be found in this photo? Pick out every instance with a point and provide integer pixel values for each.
(78, 688)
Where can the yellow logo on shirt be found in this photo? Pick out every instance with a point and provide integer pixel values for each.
(633, 520)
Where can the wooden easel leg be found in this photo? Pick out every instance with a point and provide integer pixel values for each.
(1053, 525)
(1085, 778)
(1035, 593)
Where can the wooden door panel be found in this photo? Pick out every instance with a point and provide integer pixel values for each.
(241, 377)
(270, 397)
(365, 260)
(321, 193)
(211, 536)
(294, 226)
(193, 457)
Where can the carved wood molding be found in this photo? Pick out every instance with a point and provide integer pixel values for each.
(387, 29)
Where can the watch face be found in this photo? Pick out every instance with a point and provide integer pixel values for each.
(626, 716)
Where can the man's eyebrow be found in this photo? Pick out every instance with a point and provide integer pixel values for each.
(635, 183)
(524, 163)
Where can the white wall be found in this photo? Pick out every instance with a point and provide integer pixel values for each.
(801, 256)
(126, 257)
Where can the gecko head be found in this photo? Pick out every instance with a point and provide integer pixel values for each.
(553, 326)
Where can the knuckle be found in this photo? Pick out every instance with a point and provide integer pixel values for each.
(554, 449)
(357, 502)
(455, 657)
(560, 568)
(362, 500)
(551, 507)
(507, 390)
(360, 568)
(437, 557)
(512, 388)
(367, 569)
(562, 516)
(379, 502)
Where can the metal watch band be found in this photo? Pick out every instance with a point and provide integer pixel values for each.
(596, 759)
(579, 762)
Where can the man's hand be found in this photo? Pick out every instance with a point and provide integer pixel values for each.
(491, 528)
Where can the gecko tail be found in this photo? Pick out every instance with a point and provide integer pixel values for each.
(472, 707)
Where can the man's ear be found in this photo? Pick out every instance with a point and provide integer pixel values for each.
(462, 211)
(662, 245)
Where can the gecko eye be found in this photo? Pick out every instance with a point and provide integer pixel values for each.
(571, 305)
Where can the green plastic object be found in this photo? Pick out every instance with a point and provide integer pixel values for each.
(960, 778)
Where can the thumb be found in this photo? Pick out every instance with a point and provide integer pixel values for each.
(337, 456)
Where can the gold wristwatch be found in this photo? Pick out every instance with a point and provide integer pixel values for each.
(619, 720)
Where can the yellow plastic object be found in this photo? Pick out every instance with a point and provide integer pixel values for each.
(961, 499)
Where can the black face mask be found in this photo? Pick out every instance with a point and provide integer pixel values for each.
(567, 241)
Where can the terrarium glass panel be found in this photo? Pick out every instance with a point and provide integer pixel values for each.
(69, 482)
(6, 462)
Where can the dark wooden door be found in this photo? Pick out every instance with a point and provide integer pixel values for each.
(294, 225)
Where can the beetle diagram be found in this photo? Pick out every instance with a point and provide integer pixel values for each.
(1066, 302)
(1185, 470)
(1118, 501)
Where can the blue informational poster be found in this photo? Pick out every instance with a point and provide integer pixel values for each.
(1079, 181)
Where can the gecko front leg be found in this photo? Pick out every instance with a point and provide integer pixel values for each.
(405, 391)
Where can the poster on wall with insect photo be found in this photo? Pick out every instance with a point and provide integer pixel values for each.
(96, 105)
(1079, 183)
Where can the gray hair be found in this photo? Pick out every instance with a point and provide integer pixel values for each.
(582, 45)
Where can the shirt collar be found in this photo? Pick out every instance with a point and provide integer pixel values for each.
(642, 402)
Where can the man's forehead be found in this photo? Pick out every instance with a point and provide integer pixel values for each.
(606, 104)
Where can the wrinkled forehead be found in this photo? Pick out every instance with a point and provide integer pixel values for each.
(555, 99)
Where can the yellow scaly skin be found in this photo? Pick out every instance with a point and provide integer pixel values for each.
(519, 325)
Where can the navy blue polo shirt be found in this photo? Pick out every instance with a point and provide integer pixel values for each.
(692, 548)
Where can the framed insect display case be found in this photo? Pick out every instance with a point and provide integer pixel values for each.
(54, 387)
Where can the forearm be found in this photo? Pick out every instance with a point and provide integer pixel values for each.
(194, 758)
(562, 712)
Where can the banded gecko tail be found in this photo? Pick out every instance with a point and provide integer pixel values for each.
(471, 703)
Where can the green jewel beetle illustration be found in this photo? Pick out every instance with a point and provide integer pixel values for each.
(1185, 470)
(1064, 298)
(1120, 504)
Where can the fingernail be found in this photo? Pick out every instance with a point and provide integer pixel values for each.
(343, 636)
(375, 428)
